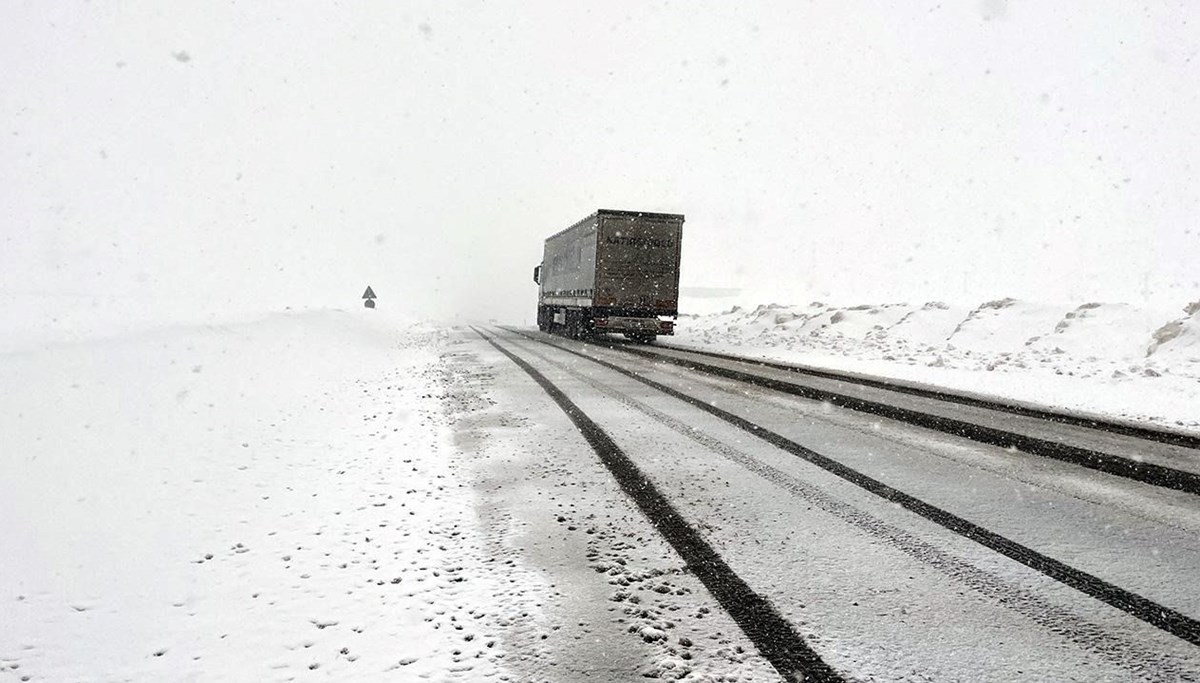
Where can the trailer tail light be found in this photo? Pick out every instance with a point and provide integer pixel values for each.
(601, 322)
(666, 327)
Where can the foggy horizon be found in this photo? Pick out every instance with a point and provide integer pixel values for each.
(217, 159)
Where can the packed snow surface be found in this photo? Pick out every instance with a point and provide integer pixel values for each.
(320, 494)
(239, 502)
(1112, 360)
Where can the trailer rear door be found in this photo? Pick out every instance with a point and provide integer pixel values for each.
(637, 262)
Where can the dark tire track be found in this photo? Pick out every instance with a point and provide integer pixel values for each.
(1148, 473)
(1169, 620)
(1146, 433)
(776, 639)
(1137, 661)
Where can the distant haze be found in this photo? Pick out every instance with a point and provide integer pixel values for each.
(181, 160)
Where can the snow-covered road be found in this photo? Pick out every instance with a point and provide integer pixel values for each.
(321, 496)
(881, 592)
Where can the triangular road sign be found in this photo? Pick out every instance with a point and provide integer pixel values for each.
(368, 294)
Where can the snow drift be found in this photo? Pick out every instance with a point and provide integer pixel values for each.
(1113, 359)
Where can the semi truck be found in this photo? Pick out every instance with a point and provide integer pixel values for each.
(612, 272)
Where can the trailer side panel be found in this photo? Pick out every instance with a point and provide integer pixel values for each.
(569, 266)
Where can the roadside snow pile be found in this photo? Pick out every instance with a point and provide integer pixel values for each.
(1004, 326)
(928, 325)
(1095, 331)
(1178, 342)
(1110, 359)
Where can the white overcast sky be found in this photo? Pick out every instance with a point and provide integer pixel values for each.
(166, 159)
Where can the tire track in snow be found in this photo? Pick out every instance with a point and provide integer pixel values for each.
(1160, 616)
(1136, 660)
(775, 637)
(1121, 466)
(1148, 433)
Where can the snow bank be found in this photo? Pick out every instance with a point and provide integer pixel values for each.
(1110, 359)
(1177, 343)
(1004, 326)
(928, 325)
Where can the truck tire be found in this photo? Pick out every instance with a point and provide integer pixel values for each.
(574, 324)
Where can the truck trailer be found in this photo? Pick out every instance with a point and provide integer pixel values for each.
(614, 271)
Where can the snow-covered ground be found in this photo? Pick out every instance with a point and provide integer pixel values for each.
(352, 496)
(1113, 360)
(321, 494)
(235, 502)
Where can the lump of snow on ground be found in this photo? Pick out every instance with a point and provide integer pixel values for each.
(1113, 360)
(1177, 343)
